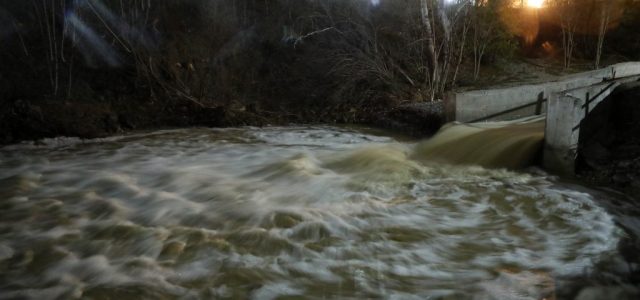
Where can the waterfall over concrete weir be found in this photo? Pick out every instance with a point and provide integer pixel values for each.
(513, 144)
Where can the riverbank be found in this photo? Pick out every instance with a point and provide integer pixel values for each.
(24, 120)
(610, 157)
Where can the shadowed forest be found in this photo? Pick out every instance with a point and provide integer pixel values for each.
(89, 68)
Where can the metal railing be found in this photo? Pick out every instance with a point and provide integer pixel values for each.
(538, 103)
(589, 100)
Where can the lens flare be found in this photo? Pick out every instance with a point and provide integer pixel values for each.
(535, 3)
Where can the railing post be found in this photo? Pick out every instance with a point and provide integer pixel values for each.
(539, 103)
(586, 107)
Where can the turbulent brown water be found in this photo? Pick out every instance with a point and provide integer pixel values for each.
(318, 212)
(514, 144)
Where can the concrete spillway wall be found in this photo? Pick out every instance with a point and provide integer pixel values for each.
(478, 104)
(566, 101)
(567, 109)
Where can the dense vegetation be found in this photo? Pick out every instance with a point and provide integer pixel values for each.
(87, 66)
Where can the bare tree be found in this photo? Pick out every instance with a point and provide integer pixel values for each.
(567, 13)
(482, 32)
(445, 29)
(46, 12)
(485, 23)
(459, 41)
(605, 19)
(431, 75)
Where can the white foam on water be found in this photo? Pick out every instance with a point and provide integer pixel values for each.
(263, 213)
(6, 252)
(275, 290)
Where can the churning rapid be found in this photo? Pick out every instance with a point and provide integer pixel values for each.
(508, 144)
(319, 212)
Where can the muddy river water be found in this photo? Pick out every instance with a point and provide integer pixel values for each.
(280, 213)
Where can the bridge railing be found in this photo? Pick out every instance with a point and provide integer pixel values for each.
(538, 111)
(519, 101)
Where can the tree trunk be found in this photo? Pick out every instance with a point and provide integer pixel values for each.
(465, 30)
(446, 47)
(604, 24)
(431, 75)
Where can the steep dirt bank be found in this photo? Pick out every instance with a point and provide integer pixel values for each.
(32, 120)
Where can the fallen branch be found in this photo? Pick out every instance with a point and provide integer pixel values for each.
(300, 39)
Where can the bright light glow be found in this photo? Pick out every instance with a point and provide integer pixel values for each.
(535, 3)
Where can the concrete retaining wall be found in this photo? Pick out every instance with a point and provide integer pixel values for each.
(565, 114)
(474, 105)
